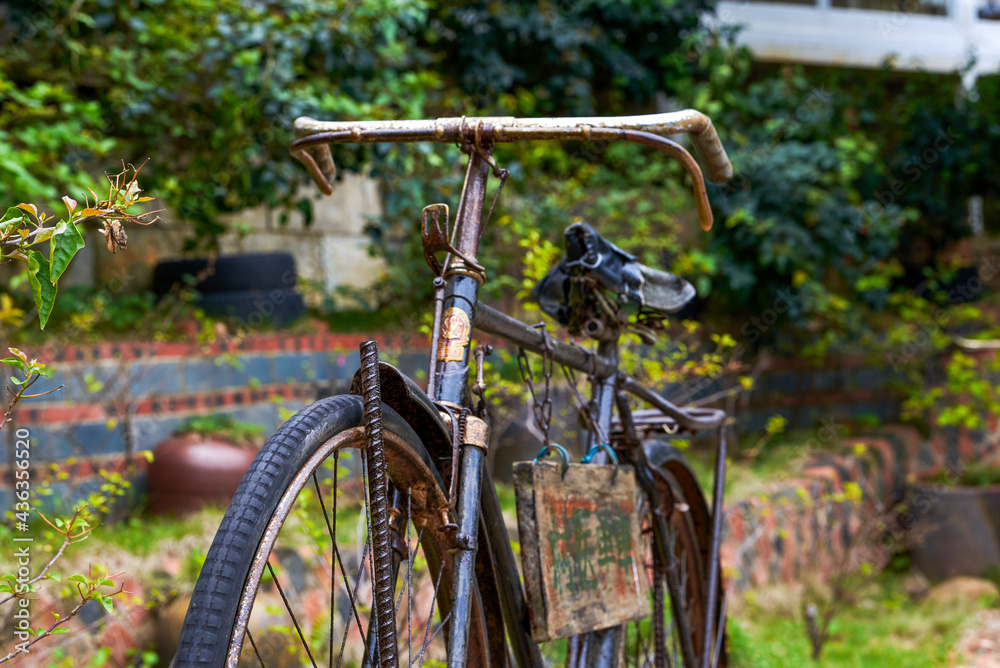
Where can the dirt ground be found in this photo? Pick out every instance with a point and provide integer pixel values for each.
(979, 645)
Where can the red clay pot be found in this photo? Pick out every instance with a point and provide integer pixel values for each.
(192, 471)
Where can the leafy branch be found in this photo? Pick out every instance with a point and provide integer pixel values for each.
(22, 227)
(73, 530)
(32, 370)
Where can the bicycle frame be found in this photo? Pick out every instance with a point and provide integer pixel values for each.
(458, 310)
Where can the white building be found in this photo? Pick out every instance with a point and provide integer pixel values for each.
(930, 35)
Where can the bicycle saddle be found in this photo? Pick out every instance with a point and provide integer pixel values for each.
(591, 256)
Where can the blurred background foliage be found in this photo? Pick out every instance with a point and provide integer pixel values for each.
(207, 91)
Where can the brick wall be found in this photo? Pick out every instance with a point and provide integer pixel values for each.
(116, 393)
(843, 508)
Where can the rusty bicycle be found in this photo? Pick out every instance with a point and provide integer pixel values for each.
(368, 530)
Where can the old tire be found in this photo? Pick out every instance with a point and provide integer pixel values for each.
(232, 273)
(255, 307)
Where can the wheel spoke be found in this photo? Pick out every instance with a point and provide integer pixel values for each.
(431, 639)
(373, 616)
(334, 554)
(254, 645)
(291, 614)
(430, 618)
(677, 578)
(292, 552)
(409, 578)
(351, 599)
(331, 528)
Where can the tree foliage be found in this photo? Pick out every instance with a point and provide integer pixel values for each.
(207, 91)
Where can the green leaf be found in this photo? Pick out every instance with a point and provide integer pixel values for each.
(61, 629)
(12, 217)
(16, 363)
(42, 288)
(65, 244)
(108, 604)
(43, 235)
(82, 579)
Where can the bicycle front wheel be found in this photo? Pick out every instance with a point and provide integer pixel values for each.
(288, 579)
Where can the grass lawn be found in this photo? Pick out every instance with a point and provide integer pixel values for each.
(883, 626)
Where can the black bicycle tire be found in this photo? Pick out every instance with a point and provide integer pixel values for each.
(211, 615)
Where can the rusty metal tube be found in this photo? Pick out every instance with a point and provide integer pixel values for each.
(718, 492)
(500, 324)
(508, 129)
(695, 419)
(707, 144)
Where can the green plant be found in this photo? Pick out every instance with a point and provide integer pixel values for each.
(966, 396)
(975, 475)
(192, 564)
(93, 586)
(54, 533)
(23, 227)
(225, 426)
(31, 370)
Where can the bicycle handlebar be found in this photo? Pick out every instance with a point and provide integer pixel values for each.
(314, 152)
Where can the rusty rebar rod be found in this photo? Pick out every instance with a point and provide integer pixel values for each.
(384, 614)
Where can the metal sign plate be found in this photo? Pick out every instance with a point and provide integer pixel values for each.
(580, 547)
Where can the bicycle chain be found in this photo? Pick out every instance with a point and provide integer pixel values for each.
(542, 409)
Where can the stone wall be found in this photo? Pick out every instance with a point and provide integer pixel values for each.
(332, 251)
(121, 397)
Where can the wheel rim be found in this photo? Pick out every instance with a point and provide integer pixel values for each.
(421, 508)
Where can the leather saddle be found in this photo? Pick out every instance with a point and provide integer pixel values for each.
(591, 256)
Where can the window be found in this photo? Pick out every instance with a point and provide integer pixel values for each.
(809, 3)
(928, 7)
(990, 11)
